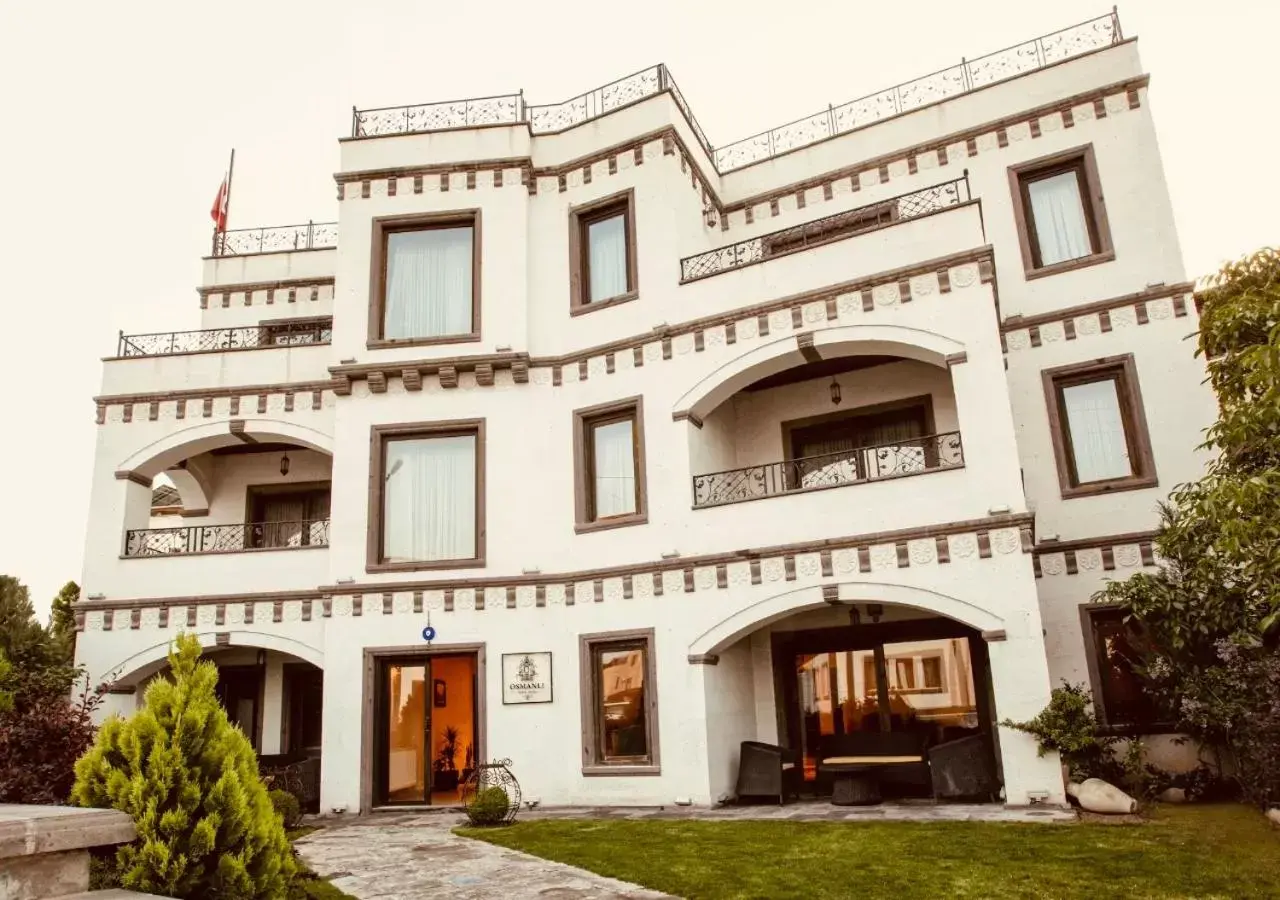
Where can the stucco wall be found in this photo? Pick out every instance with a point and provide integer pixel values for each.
(952, 308)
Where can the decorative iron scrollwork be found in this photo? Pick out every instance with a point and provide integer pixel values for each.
(820, 231)
(909, 457)
(274, 334)
(226, 538)
(491, 796)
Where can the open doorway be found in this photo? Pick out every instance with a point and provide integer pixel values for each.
(426, 735)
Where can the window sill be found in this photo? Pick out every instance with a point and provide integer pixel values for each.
(374, 568)
(1071, 265)
(620, 770)
(579, 309)
(393, 343)
(607, 524)
(1109, 487)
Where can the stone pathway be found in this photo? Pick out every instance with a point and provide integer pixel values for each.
(404, 856)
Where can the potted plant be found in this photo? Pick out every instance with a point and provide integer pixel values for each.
(446, 769)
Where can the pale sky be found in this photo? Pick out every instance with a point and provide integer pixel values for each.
(117, 119)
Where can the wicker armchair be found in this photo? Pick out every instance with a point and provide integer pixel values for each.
(765, 770)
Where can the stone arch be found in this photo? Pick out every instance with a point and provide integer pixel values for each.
(195, 439)
(765, 612)
(147, 662)
(823, 343)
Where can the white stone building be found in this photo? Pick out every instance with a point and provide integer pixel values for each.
(834, 429)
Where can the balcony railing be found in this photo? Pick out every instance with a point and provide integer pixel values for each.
(822, 231)
(910, 457)
(510, 109)
(226, 538)
(273, 334)
(960, 79)
(969, 75)
(276, 239)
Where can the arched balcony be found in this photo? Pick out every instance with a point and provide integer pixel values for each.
(256, 487)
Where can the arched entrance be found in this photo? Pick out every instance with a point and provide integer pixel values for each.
(858, 671)
(271, 686)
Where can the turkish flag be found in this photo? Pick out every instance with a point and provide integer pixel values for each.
(219, 210)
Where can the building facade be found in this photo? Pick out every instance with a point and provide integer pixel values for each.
(580, 442)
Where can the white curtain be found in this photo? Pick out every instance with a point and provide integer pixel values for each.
(1096, 431)
(607, 242)
(1061, 229)
(615, 469)
(429, 511)
(428, 283)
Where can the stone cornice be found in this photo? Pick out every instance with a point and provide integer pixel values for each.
(1101, 554)
(294, 290)
(1159, 302)
(827, 558)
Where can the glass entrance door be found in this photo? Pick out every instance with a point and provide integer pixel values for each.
(426, 733)
(407, 724)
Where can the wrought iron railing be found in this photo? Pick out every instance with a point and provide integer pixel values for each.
(276, 239)
(908, 457)
(273, 334)
(226, 538)
(827, 229)
(510, 109)
(951, 82)
(969, 75)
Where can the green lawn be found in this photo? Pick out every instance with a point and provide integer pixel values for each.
(1191, 851)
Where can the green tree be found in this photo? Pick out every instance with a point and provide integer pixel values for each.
(22, 639)
(6, 694)
(189, 779)
(1210, 615)
(43, 727)
(62, 621)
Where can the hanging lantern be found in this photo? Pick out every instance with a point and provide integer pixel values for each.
(284, 464)
(835, 391)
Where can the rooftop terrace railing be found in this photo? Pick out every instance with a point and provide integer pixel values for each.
(276, 239)
(283, 333)
(969, 75)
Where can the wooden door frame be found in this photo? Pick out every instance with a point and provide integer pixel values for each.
(374, 657)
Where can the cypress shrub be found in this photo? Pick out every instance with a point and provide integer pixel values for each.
(189, 779)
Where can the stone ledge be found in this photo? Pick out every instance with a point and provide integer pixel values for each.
(29, 830)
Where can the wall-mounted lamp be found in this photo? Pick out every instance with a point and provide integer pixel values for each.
(835, 391)
(284, 464)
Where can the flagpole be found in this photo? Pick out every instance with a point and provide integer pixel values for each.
(231, 168)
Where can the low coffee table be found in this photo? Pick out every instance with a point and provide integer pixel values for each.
(854, 777)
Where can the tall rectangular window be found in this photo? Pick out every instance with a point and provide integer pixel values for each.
(426, 279)
(1098, 427)
(426, 496)
(602, 253)
(1059, 212)
(609, 463)
(620, 724)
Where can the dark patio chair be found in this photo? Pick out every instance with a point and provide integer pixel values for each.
(766, 770)
(963, 769)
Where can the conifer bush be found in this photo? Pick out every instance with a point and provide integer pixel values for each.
(189, 779)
